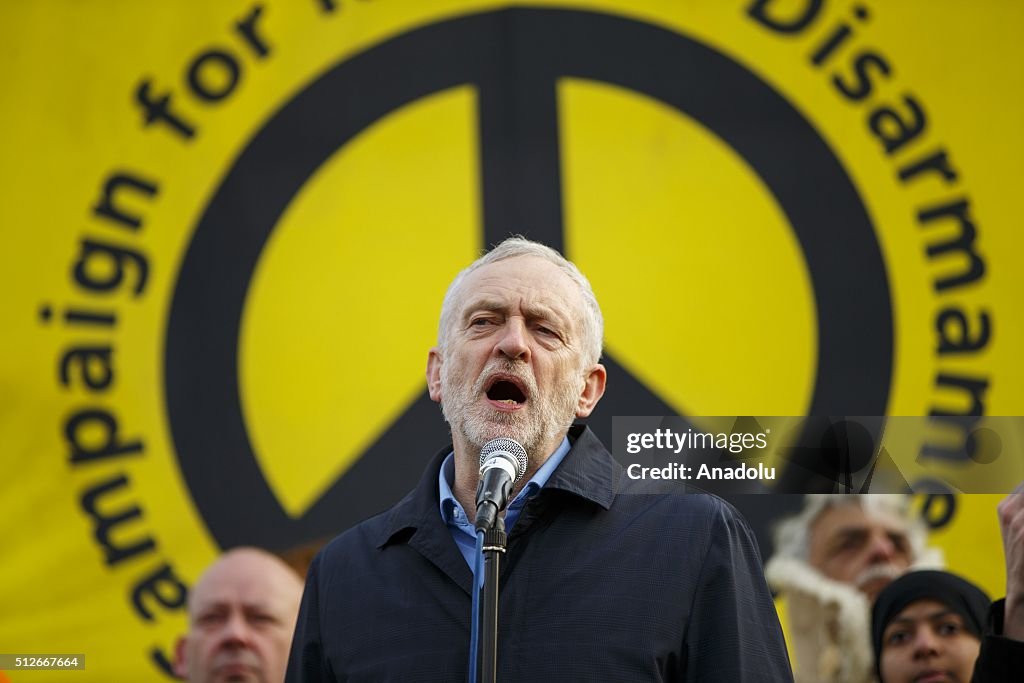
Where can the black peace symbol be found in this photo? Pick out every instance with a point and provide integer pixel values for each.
(513, 59)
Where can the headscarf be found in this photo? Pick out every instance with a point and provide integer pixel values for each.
(958, 594)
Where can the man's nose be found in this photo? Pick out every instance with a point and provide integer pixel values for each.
(883, 550)
(514, 340)
(236, 631)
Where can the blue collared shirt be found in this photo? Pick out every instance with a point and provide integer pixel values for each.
(454, 516)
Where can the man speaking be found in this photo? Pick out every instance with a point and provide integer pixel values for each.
(602, 579)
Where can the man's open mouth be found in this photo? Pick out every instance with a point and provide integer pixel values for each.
(506, 390)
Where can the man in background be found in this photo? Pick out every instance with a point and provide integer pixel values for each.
(830, 563)
(242, 614)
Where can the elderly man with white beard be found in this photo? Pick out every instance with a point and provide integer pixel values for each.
(830, 563)
(603, 579)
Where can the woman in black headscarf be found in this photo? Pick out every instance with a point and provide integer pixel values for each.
(931, 627)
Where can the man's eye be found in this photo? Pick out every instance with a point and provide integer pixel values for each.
(949, 629)
(479, 322)
(900, 542)
(850, 543)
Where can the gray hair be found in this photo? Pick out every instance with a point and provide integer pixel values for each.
(593, 322)
(793, 535)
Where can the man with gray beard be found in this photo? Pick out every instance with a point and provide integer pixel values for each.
(831, 561)
(603, 578)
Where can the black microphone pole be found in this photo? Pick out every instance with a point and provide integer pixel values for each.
(503, 462)
(494, 548)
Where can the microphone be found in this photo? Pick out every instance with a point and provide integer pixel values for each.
(502, 464)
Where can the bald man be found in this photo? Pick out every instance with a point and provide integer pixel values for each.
(242, 613)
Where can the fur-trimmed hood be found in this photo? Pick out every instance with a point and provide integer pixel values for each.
(828, 622)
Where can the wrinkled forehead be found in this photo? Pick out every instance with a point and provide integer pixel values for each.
(848, 516)
(528, 281)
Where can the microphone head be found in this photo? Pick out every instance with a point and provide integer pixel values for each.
(507, 448)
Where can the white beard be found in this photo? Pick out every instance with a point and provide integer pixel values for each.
(468, 414)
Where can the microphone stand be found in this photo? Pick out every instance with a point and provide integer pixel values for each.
(493, 548)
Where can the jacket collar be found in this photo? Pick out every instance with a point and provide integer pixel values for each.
(588, 471)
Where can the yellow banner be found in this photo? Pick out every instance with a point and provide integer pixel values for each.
(230, 226)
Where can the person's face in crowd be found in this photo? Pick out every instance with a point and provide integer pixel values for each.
(864, 548)
(514, 364)
(242, 615)
(927, 643)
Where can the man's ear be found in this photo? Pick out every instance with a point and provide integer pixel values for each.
(180, 661)
(593, 390)
(434, 374)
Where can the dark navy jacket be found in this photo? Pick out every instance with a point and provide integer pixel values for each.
(601, 582)
(1000, 658)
